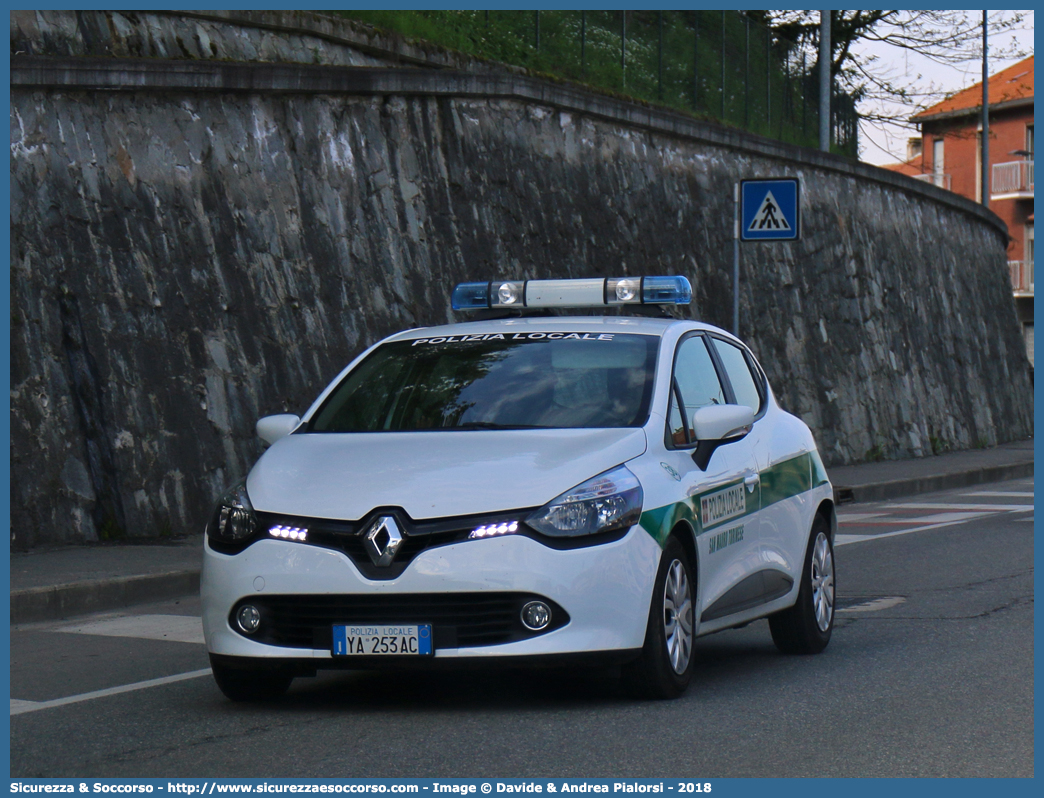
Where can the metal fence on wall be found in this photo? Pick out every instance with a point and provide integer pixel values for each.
(717, 64)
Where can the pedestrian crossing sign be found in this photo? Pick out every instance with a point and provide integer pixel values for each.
(771, 210)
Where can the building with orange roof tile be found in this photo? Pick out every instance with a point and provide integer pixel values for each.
(948, 154)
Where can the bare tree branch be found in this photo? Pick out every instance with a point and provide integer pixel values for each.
(950, 38)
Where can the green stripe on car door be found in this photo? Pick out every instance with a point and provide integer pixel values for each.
(780, 481)
(786, 479)
(659, 521)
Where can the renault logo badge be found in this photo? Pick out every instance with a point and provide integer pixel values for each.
(382, 540)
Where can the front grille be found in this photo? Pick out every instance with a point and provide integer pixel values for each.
(459, 620)
(417, 536)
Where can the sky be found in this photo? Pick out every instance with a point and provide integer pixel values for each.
(887, 144)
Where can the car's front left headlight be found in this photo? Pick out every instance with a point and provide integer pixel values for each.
(233, 520)
(605, 503)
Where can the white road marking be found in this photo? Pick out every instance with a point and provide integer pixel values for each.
(848, 518)
(875, 606)
(990, 508)
(957, 514)
(844, 540)
(175, 628)
(940, 517)
(1024, 520)
(1015, 494)
(19, 707)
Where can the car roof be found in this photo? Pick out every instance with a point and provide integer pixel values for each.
(614, 324)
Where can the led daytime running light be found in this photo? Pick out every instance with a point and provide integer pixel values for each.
(289, 533)
(494, 530)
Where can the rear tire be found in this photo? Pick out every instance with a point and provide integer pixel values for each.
(250, 685)
(805, 628)
(664, 668)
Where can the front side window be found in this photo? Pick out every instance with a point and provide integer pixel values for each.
(738, 370)
(496, 381)
(695, 385)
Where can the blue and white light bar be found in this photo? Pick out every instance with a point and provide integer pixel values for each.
(583, 293)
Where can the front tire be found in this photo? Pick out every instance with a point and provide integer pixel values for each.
(239, 684)
(664, 668)
(805, 628)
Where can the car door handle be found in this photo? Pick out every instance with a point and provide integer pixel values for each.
(751, 481)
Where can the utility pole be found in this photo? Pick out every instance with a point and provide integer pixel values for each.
(735, 257)
(824, 81)
(985, 148)
(623, 48)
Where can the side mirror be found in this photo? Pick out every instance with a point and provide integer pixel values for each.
(717, 425)
(272, 428)
(722, 422)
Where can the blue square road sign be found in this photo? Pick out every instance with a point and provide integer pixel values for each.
(771, 210)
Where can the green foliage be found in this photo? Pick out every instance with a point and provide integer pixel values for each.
(110, 529)
(712, 64)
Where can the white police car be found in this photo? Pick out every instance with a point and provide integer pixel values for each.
(525, 489)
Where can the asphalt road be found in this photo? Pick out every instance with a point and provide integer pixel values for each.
(929, 673)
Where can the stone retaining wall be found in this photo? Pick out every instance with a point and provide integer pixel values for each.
(186, 259)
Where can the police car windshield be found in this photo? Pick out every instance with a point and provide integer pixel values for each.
(550, 380)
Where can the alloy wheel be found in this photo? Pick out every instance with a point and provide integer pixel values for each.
(677, 617)
(823, 582)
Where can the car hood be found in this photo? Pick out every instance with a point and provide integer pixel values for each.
(432, 474)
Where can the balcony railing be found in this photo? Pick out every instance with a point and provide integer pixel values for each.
(1012, 180)
(940, 180)
(1021, 277)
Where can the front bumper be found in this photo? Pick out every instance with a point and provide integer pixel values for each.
(605, 590)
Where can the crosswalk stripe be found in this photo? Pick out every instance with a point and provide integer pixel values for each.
(921, 519)
(936, 518)
(844, 540)
(1014, 494)
(850, 518)
(903, 514)
(991, 508)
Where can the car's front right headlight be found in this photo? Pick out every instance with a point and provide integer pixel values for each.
(605, 503)
(233, 520)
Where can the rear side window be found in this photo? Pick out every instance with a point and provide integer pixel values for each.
(739, 373)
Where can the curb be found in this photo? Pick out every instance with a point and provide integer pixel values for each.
(80, 598)
(879, 491)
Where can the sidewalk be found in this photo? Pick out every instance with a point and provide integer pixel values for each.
(889, 479)
(71, 581)
(76, 580)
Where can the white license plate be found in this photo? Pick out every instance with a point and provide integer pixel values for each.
(382, 640)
